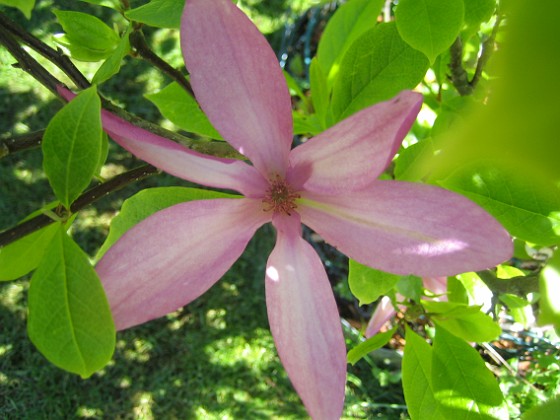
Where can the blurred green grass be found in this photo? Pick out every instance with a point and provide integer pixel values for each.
(215, 358)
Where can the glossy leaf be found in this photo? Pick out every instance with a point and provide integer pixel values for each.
(87, 37)
(26, 6)
(368, 284)
(159, 13)
(181, 109)
(430, 26)
(112, 65)
(462, 384)
(375, 68)
(417, 379)
(466, 322)
(72, 146)
(69, 318)
(528, 211)
(149, 201)
(478, 11)
(24, 255)
(348, 23)
(549, 289)
(369, 345)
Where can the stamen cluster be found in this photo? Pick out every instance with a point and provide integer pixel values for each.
(280, 197)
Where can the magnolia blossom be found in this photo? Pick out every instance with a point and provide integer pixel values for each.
(328, 183)
(385, 310)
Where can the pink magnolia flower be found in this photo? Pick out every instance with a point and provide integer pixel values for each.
(328, 183)
(385, 310)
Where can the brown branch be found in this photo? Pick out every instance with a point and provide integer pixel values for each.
(84, 200)
(20, 143)
(138, 42)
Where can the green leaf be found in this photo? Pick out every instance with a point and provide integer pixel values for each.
(349, 22)
(408, 166)
(519, 308)
(72, 146)
(549, 289)
(86, 37)
(417, 379)
(375, 68)
(527, 210)
(367, 283)
(113, 4)
(369, 345)
(307, 124)
(319, 91)
(430, 26)
(548, 410)
(112, 65)
(149, 201)
(456, 291)
(466, 322)
(24, 255)
(69, 318)
(411, 287)
(159, 13)
(26, 6)
(478, 11)
(181, 109)
(463, 386)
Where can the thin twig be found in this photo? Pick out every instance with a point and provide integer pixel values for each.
(24, 142)
(56, 57)
(459, 76)
(486, 52)
(84, 200)
(138, 42)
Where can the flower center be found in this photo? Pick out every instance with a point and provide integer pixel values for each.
(280, 197)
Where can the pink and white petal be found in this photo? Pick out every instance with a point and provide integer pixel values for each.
(238, 82)
(406, 228)
(304, 321)
(384, 311)
(353, 153)
(437, 285)
(174, 256)
(180, 161)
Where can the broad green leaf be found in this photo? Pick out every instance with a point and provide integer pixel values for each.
(528, 211)
(159, 13)
(368, 284)
(477, 291)
(411, 287)
(369, 345)
(86, 37)
(456, 291)
(350, 21)
(26, 6)
(319, 91)
(519, 308)
(417, 379)
(69, 317)
(462, 385)
(103, 155)
(549, 289)
(307, 124)
(466, 322)
(549, 410)
(408, 165)
(24, 255)
(478, 11)
(113, 4)
(112, 65)
(430, 26)
(375, 68)
(181, 109)
(72, 146)
(149, 201)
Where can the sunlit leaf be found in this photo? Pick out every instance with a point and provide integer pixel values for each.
(369, 345)
(69, 317)
(549, 289)
(159, 13)
(368, 284)
(112, 65)
(26, 6)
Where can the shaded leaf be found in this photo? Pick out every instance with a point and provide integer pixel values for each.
(369, 345)
(112, 65)
(158, 13)
(26, 6)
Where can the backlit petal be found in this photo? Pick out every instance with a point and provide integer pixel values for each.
(407, 228)
(238, 82)
(304, 321)
(354, 152)
(174, 256)
(180, 161)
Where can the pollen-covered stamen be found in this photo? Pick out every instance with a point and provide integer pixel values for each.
(280, 197)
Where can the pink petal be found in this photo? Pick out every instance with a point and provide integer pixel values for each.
(407, 228)
(238, 82)
(437, 285)
(174, 256)
(353, 153)
(178, 160)
(304, 321)
(383, 313)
